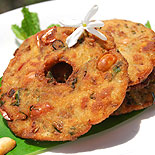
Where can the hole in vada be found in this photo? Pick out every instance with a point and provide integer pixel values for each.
(61, 71)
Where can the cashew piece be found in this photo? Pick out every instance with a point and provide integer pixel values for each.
(6, 145)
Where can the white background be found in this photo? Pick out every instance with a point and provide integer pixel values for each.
(133, 137)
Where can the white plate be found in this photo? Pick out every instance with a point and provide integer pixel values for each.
(132, 137)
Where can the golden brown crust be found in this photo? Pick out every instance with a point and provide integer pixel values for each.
(55, 93)
(137, 44)
(139, 96)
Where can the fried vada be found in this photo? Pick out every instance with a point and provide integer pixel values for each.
(139, 96)
(137, 44)
(54, 93)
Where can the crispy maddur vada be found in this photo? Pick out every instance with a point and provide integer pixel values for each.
(139, 96)
(137, 44)
(55, 93)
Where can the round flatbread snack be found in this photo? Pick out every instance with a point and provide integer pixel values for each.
(139, 96)
(137, 44)
(55, 93)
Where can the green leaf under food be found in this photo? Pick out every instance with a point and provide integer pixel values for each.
(0, 81)
(148, 25)
(29, 25)
(57, 25)
(30, 147)
(25, 147)
(19, 32)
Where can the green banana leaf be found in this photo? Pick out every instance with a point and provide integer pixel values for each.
(33, 147)
(25, 147)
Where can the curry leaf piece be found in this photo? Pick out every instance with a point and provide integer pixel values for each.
(30, 23)
(19, 32)
(148, 25)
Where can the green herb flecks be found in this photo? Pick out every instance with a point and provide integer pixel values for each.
(72, 131)
(116, 69)
(17, 102)
(49, 76)
(29, 25)
(133, 32)
(1, 102)
(148, 25)
(11, 92)
(38, 98)
(58, 44)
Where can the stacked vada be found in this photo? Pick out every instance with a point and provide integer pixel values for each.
(52, 92)
(137, 44)
(55, 93)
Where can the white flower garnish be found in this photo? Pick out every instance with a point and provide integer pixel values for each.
(86, 24)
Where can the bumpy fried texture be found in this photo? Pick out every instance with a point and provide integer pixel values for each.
(55, 93)
(137, 44)
(139, 96)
